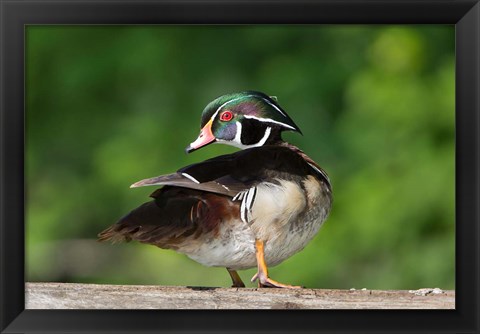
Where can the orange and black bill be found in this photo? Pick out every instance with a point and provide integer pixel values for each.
(206, 137)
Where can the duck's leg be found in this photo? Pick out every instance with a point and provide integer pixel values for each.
(262, 272)
(236, 280)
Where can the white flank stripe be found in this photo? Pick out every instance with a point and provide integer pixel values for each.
(268, 120)
(190, 177)
(247, 202)
(250, 198)
(239, 196)
(242, 212)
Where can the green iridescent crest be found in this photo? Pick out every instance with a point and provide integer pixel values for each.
(250, 105)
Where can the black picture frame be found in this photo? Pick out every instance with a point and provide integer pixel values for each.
(16, 14)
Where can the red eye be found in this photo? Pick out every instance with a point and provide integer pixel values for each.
(226, 116)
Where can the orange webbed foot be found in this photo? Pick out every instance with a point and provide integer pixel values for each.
(266, 282)
(262, 274)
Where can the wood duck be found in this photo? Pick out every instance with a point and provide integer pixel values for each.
(252, 208)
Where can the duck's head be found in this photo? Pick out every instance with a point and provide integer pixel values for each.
(246, 119)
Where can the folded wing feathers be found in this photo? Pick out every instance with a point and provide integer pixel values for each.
(187, 181)
(219, 186)
(234, 175)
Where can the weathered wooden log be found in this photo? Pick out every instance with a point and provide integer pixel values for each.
(95, 296)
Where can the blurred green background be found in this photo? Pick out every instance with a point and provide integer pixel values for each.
(109, 105)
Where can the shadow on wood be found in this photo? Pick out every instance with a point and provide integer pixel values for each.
(94, 296)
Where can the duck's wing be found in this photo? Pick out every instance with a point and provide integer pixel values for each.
(223, 185)
(235, 173)
(177, 216)
(199, 198)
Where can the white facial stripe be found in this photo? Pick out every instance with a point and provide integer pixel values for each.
(257, 118)
(188, 176)
(241, 97)
(223, 105)
(268, 120)
(277, 108)
(237, 141)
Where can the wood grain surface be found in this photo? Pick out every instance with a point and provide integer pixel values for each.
(94, 296)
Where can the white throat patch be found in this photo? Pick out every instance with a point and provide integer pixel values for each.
(237, 141)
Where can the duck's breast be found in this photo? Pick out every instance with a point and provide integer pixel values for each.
(287, 215)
